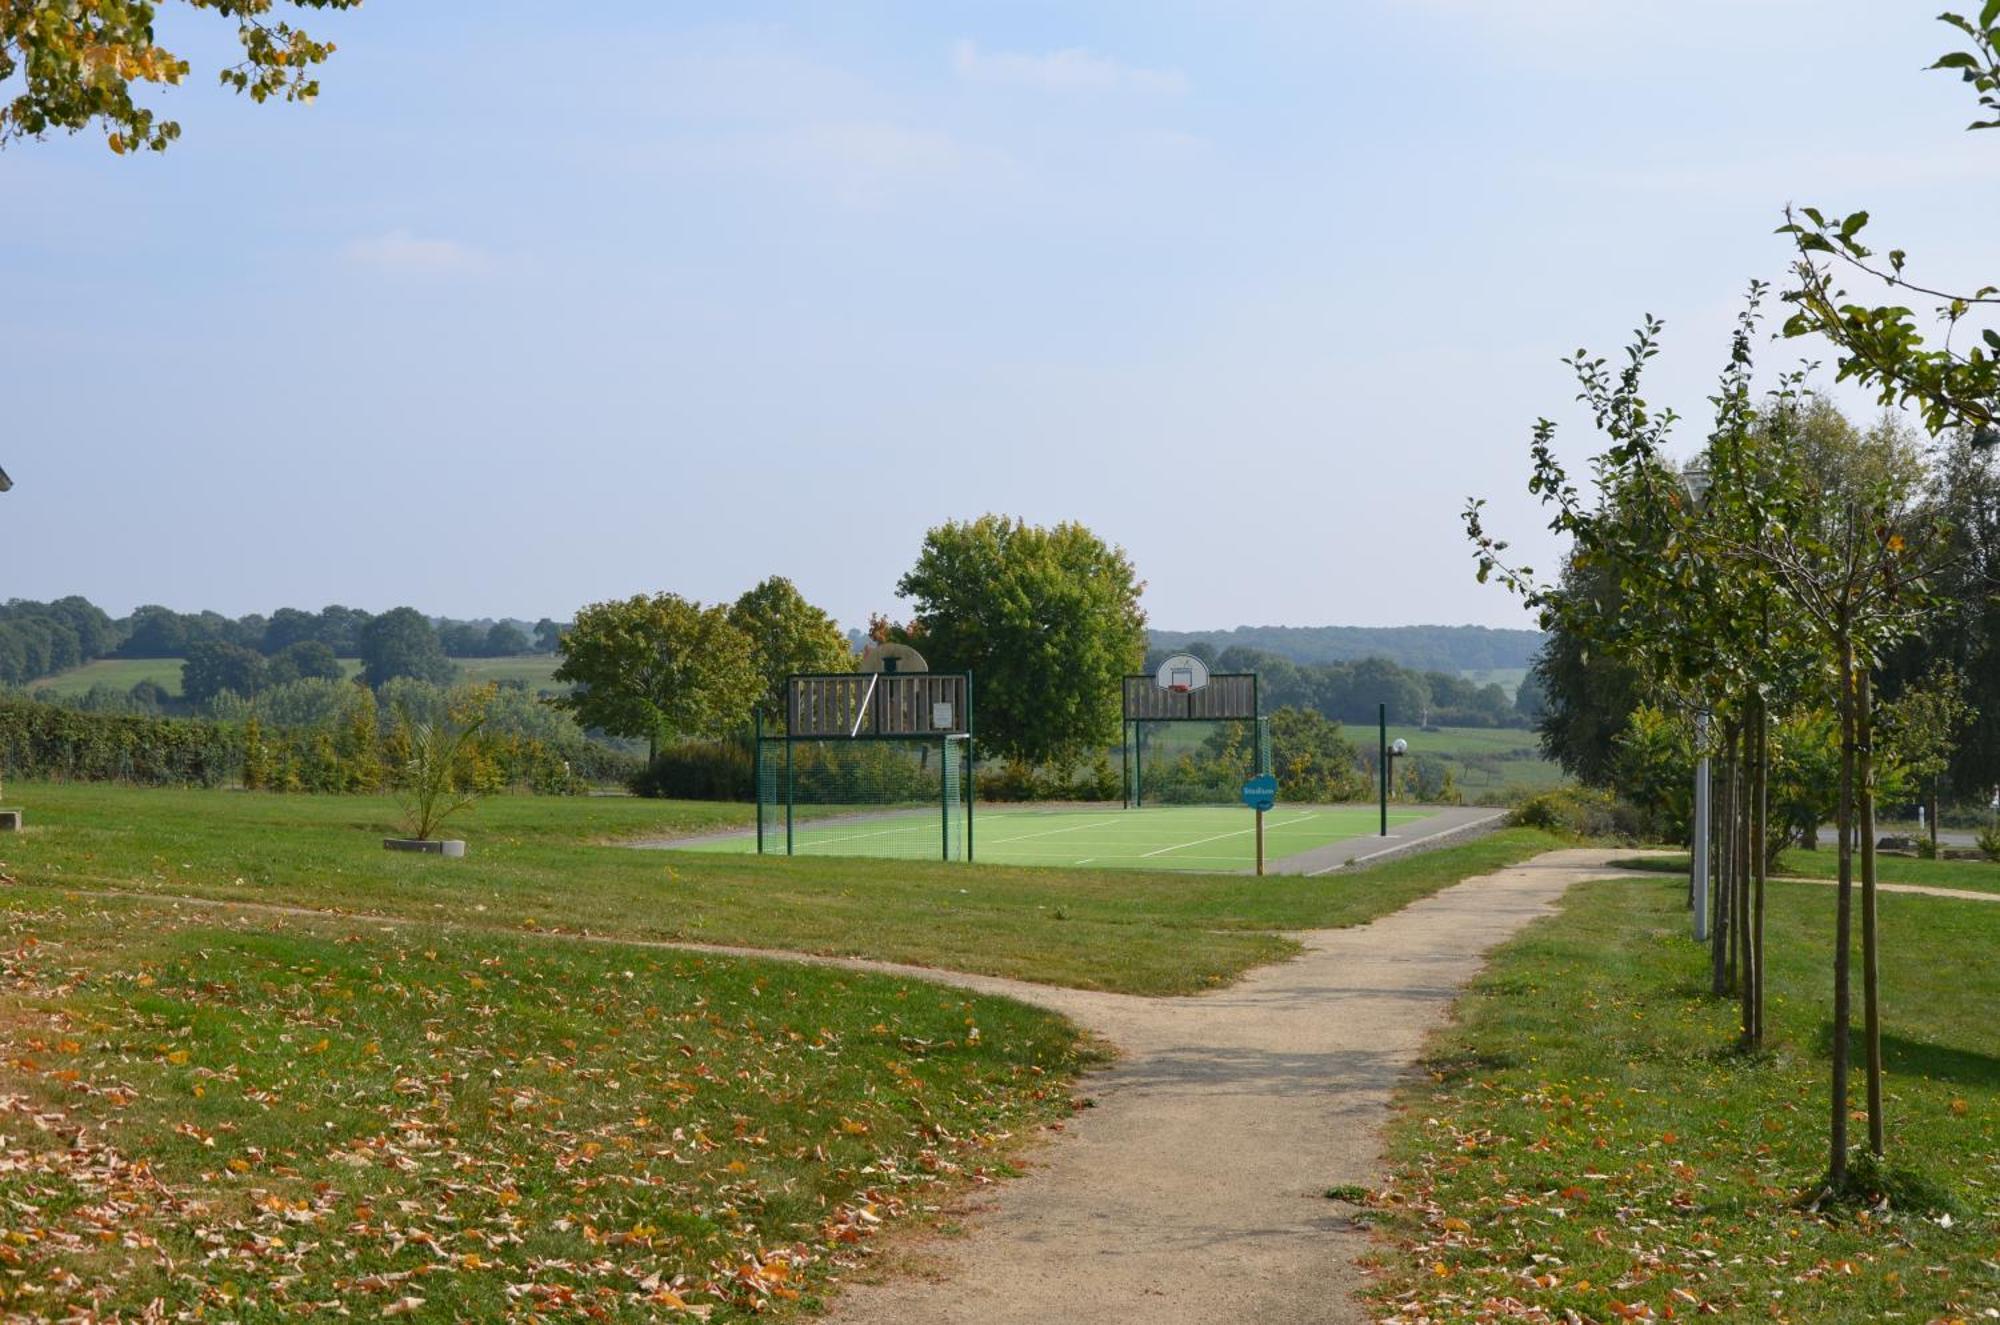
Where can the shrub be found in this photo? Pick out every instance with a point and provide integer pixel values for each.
(1579, 812)
(699, 771)
(1989, 841)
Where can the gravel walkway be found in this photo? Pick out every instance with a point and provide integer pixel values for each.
(1195, 1190)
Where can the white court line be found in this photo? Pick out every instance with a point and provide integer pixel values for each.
(1241, 832)
(856, 837)
(1098, 822)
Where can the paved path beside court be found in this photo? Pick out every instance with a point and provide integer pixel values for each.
(1195, 1189)
(1442, 827)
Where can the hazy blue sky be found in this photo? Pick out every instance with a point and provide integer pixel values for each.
(542, 304)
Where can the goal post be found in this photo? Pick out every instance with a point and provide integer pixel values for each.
(870, 764)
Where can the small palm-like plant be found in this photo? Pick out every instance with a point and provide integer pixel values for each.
(430, 792)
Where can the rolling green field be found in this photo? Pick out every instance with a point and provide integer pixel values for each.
(1178, 837)
(1507, 678)
(1588, 1145)
(1491, 764)
(534, 670)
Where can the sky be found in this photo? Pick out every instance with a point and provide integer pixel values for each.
(530, 311)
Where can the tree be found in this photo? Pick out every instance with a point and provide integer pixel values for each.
(1920, 728)
(462, 639)
(401, 642)
(1048, 621)
(1315, 762)
(658, 667)
(307, 658)
(1880, 346)
(505, 640)
(788, 634)
(548, 636)
(77, 64)
(213, 667)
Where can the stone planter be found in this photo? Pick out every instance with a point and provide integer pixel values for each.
(429, 846)
(10, 821)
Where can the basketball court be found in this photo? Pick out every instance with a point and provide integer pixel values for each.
(882, 762)
(1199, 838)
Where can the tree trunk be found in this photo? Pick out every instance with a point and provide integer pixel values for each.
(1746, 979)
(1871, 960)
(1933, 816)
(1761, 802)
(1718, 934)
(1843, 927)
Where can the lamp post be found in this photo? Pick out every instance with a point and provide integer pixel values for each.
(1697, 479)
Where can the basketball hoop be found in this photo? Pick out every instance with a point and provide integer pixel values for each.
(1182, 674)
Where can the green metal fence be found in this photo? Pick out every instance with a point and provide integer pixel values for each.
(1193, 761)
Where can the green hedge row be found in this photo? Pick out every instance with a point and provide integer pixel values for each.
(43, 741)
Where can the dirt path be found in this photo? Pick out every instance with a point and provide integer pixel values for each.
(1195, 1191)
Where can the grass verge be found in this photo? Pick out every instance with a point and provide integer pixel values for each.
(536, 865)
(259, 1118)
(1588, 1145)
(1970, 875)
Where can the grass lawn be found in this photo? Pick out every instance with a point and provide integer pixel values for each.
(537, 863)
(1591, 1144)
(1972, 875)
(259, 1118)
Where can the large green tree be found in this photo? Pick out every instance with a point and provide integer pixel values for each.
(71, 64)
(660, 667)
(401, 642)
(789, 635)
(1048, 621)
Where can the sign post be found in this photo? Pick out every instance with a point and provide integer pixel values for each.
(1260, 794)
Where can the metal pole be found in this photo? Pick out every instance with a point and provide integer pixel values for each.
(944, 794)
(791, 792)
(757, 773)
(1260, 844)
(971, 766)
(1699, 849)
(1382, 760)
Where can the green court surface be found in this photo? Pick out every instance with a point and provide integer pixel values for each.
(1176, 837)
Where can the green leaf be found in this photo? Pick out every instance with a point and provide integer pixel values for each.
(1957, 60)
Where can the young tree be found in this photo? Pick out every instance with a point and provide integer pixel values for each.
(788, 634)
(1880, 346)
(401, 642)
(1921, 727)
(1048, 621)
(658, 666)
(78, 64)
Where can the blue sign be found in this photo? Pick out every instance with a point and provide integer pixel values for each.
(1261, 793)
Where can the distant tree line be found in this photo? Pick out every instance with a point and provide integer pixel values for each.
(1350, 691)
(1449, 649)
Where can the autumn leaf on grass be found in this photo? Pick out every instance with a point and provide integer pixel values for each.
(402, 1306)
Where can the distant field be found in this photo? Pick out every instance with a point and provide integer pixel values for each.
(1507, 678)
(536, 670)
(1490, 763)
(120, 673)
